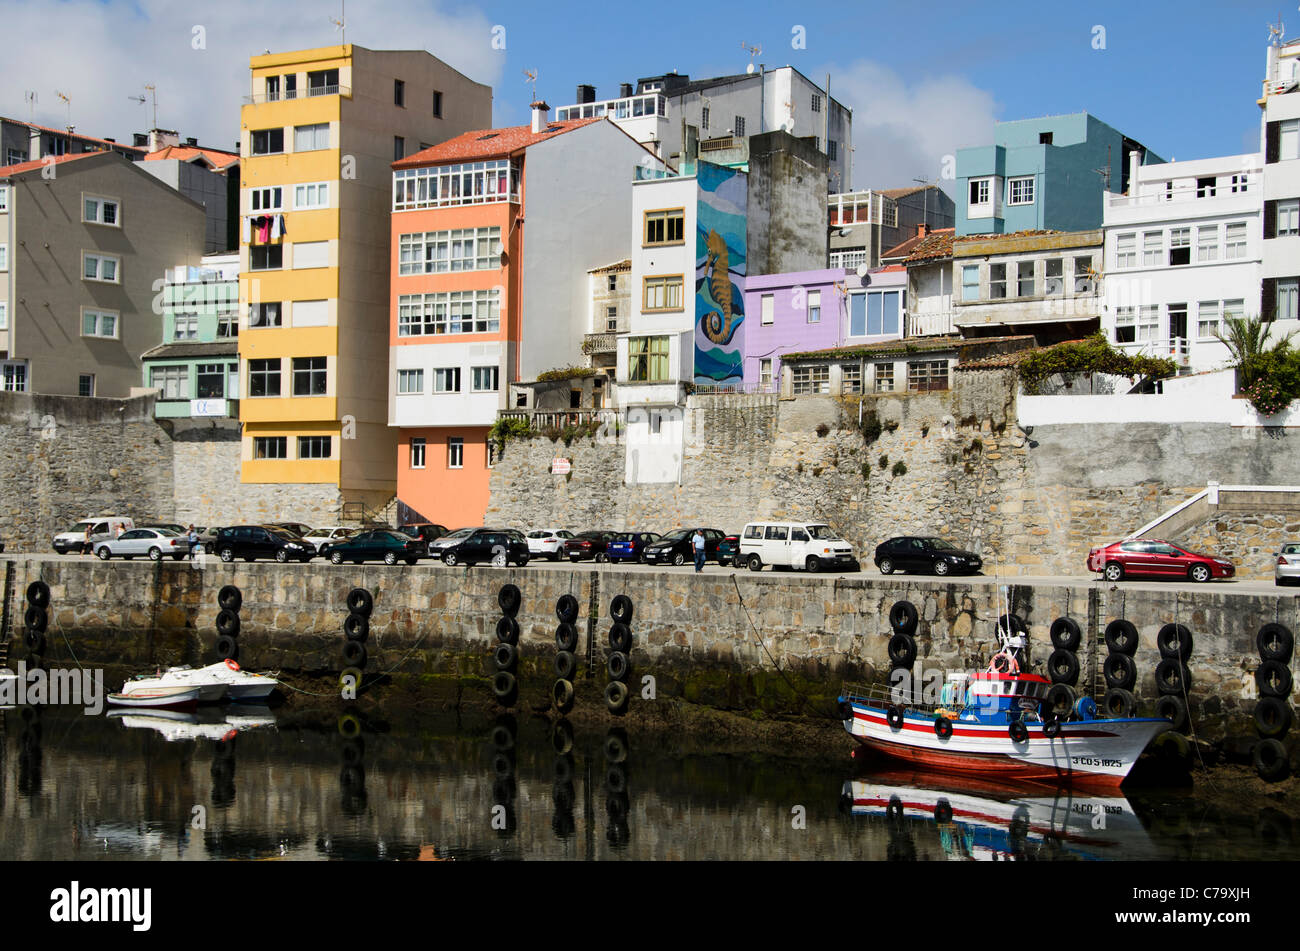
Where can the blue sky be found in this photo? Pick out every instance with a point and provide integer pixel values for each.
(923, 79)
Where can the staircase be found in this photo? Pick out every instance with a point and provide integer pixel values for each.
(7, 612)
(1215, 498)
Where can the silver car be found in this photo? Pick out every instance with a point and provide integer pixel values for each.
(1287, 569)
(152, 542)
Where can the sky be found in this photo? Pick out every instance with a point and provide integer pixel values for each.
(922, 79)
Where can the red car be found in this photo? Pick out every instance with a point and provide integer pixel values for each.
(1148, 556)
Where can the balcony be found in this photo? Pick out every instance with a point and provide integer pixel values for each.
(258, 99)
(600, 343)
(560, 418)
(1174, 348)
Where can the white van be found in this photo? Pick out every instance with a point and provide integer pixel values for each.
(810, 545)
(102, 529)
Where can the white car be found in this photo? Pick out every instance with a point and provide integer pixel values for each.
(547, 542)
(328, 535)
(101, 529)
(153, 542)
(813, 546)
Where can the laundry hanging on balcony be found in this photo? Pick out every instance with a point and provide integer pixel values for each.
(263, 229)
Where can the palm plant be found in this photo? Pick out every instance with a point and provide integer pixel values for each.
(1247, 341)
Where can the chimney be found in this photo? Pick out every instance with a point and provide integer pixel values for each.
(1133, 163)
(922, 230)
(34, 144)
(624, 90)
(586, 94)
(162, 138)
(192, 142)
(541, 115)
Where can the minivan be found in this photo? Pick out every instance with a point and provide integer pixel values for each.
(102, 529)
(810, 545)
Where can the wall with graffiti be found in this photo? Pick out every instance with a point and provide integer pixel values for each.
(720, 275)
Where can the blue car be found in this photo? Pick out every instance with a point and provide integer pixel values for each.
(630, 546)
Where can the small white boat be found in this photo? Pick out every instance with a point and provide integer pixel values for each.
(157, 697)
(216, 682)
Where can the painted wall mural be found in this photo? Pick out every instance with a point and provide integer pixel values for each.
(720, 275)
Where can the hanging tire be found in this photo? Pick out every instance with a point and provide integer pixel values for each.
(1121, 638)
(508, 630)
(1273, 678)
(620, 638)
(360, 601)
(1119, 703)
(895, 811)
(616, 697)
(228, 623)
(1272, 717)
(1275, 643)
(1120, 671)
(620, 609)
(562, 696)
(618, 666)
(354, 654)
(902, 650)
(38, 594)
(356, 627)
(1060, 700)
(942, 727)
(1063, 667)
(566, 608)
(1270, 760)
(35, 619)
(566, 637)
(227, 648)
(566, 665)
(508, 599)
(1018, 732)
(562, 732)
(506, 656)
(230, 598)
(943, 812)
(895, 717)
(616, 747)
(1173, 707)
(1052, 727)
(903, 617)
(1174, 641)
(505, 688)
(1065, 634)
(1172, 676)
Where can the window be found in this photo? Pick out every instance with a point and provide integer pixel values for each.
(185, 327)
(264, 315)
(438, 252)
(310, 254)
(767, 309)
(227, 327)
(491, 454)
(399, 93)
(1125, 325)
(1240, 183)
(1288, 140)
(662, 293)
(446, 380)
(665, 227)
(882, 314)
(99, 323)
(13, 377)
(4, 257)
(1180, 246)
(970, 282)
(443, 185)
(315, 447)
(101, 267)
(173, 382)
(1054, 277)
(410, 381)
(1177, 316)
(265, 257)
(1206, 187)
(1207, 243)
(311, 313)
(4, 315)
(1288, 218)
(264, 377)
(979, 191)
(484, 379)
(814, 307)
(453, 312)
(765, 373)
(455, 452)
(268, 141)
(1020, 191)
(884, 377)
(4, 193)
(211, 381)
(310, 377)
(399, 147)
(266, 199)
(417, 452)
(100, 211)
(1288, 299)
(850, 378)
(647, 359)
(315, 195)
(832, 150)
(997, 281)
(611, 319)
(1025, 279)
(1153, 248)
(740, 125)
(310, 138)
(1234, 309)
(437, 104)
(1044, 138)
(704, 118)
(611, 283)
(323, 82)
(15, 156)
(811, 379)
(1126, 250)
(816, 103)
(926, 375)
(1234, 241)
(86, 384)
(270, 447)
(1207, 319)
(272, 88)
(1148, 324)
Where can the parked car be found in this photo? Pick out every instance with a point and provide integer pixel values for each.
(728, 549)
(437, 547)
(101, 529)
(153, 542)
(548, 542)
(251, 542)
(499, 547)
(424, 531)
(1287, 569)
(1157, 559)
(320, 538)
(386, 546)
(808, 545)
(586, 545)
(630, 546)
(675, 547)
(170, 526)
(925, 553)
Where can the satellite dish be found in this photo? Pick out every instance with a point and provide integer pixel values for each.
(862, 271)
(749, 68)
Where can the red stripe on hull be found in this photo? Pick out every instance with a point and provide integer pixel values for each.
(1004, 766)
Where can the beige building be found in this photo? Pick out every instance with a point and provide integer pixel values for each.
(84, 237)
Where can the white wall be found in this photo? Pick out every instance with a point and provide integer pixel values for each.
(465, 408)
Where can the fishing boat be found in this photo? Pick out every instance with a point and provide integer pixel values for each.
(174, 697)
(225, 680)
(997, 722)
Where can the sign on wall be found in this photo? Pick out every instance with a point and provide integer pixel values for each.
(560, 466)
(210, 407)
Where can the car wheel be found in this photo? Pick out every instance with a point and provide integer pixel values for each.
(679, 559)
(1114, 571)
(390, 558)
(601, 557)
(1199, 573)
(941, 567)
(155, 554)
(282, 556)
(103, 553)
(411, 561)
(336, 558)
(812, 564)
(755, 563)
(523, 560)
(177, 557)
(499, 560)
(250, 557)
(227, 554)
(450, 560)
(886, 566)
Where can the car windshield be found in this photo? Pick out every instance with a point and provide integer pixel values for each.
(81, 527)
(939, 543)
(674, 536)
(822, 532)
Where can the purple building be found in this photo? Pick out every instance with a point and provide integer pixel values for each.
(816, 310)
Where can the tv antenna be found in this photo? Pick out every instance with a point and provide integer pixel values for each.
(153, 93)
(530, 76)
(753, 51)
(68, 100)
(30, 96)
(341, 23)
(1275, 32)
(1105, 172)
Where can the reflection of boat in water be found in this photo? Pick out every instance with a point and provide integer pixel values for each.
(176, 725)
(983, 820)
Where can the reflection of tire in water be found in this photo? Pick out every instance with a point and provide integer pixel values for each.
(1018, 831)
(894, 810)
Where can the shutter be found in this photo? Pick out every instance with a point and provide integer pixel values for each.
(1270, 219)
(1268, 299)
(1272, 137)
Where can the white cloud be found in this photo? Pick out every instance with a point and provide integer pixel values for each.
(100, 54)
(903, 131)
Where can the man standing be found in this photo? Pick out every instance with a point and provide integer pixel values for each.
(697, 543)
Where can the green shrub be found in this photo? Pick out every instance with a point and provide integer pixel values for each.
(504, 430)
(566, 373)
(884, 462)
(822, 429)
(900, 468)
(1093, 355)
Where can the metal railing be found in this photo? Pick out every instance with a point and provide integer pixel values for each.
(600, 343)
(559, 418)
(1175, 348)
(260, 97)
(723, 389)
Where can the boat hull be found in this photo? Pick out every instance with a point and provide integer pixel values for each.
(177, 698)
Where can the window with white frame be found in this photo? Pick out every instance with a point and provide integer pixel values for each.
(979, 191)
(270, 447)
(227, 327)
(1288, 218)
(310, 376)
(1207, 243)
(4, 316)
(1288, 299)
(210, 380)
(765, 373)
(1025, 279)
(455, 452)
(410, 381)
(476, 183)
(1207, 319)
(814, 307)
(1053, 277)
(1153, 248)
(101, 267)
(1207, 187)
(1234, 241)
(315, 447)
(811, 379)
(264, 377)
(266, 199)
(4, 195)
(311, 138)
(265, 314)
(185, 327)
(311, 195)
(1288, 140)
(418, 446)
(173, 382)
(1148, 324)
(611, 319)
(449, 312)
(1020, 191)
(1125, 325)
(997, 281)
(1233, 310)
(440, 252)
(446, 380)
(767, 309)
(13, 377)
(1126, 250)
(99, 323)
(100, 211)
(1240, 183)
(4, 257)
(1180, 246)
(484, 379)
(875, 313)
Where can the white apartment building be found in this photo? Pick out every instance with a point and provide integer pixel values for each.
(1280, 143)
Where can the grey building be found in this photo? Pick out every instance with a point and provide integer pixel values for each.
(26, 141)
(863, 224)
(209, 176)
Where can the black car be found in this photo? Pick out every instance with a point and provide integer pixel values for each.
(676, 547)
(925, 553)
(388, 547)
(424, 531)
(586, 545)
(251, 542)
(495, 546)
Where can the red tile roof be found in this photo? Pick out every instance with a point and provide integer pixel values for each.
(35, 164)
(76, 135)
(936, 244)
(187, 153)
(489, 143)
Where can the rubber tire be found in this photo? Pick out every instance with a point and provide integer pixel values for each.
(155, 553)
(282, 556)
(103, 554)
(1065, 634)
(1270, 760)
(902, 651)
(1060, 699)
(390, 557)
(1120, 671)
(1122, 638)
(886, 566)
(943, 812)
(506, 656)
(1200, 573)
(620, 609)
(227, 555)
(566, 664)
(620, 638)
(228, 623)
(38, 594)
(354, 654)
(813, 564)
(35, 642)
(895, 717)
(1063, 667)
(360, 601)
(450, 560)
(942, 727)
(509, 599)
(615, 746)
(616, 694)
(505, 688)
(618, 666)
(1052, 727)
(562, 696)
(1272, 717)
(227, 648)
(941, 568)
(1273, 678)
(1172, 707)
(566, 637)
(903, 617)
(566, 608)
(1275, 642)
(1119, 703)
(1018, 732)
(336, 558)
(36, 619)
(1172, 676)
(1174, 641)
(755, 563)
(230, 598)
(1113, 572)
